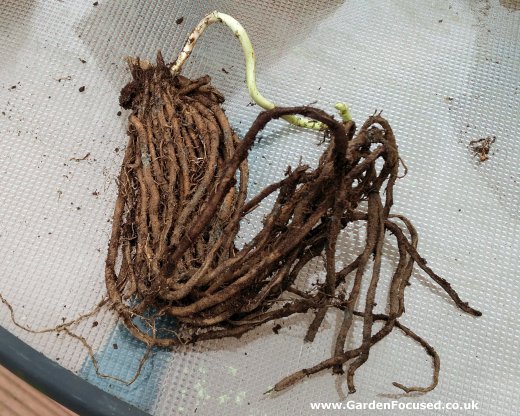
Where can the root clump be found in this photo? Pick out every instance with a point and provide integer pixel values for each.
(182, 196)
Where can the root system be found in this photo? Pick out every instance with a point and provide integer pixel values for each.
(183, 194)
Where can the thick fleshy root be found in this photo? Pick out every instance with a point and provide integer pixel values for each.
(182, 195)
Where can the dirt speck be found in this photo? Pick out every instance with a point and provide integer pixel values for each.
(277, 328)
(179, 20)
(115, 346)
(482, 147)
(65, 78)
(82, 88)
(76, 159)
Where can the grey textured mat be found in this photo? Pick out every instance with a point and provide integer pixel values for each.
(444, 72)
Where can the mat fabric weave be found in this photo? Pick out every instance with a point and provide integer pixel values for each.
(444, 73)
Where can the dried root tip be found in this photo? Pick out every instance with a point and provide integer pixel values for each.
(290, 380)
(413, 389)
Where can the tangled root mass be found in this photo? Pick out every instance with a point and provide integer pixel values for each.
(182, 196)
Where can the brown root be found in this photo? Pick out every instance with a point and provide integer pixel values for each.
(180, 205)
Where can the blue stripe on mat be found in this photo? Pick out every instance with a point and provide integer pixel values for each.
(120, 357)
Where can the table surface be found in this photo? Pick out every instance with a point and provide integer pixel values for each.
(19, 398)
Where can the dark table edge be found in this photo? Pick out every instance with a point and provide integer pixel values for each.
(57, 382)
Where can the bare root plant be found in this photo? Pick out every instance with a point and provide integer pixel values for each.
(182, 196)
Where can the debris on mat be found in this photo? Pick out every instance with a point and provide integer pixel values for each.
(482, 147)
